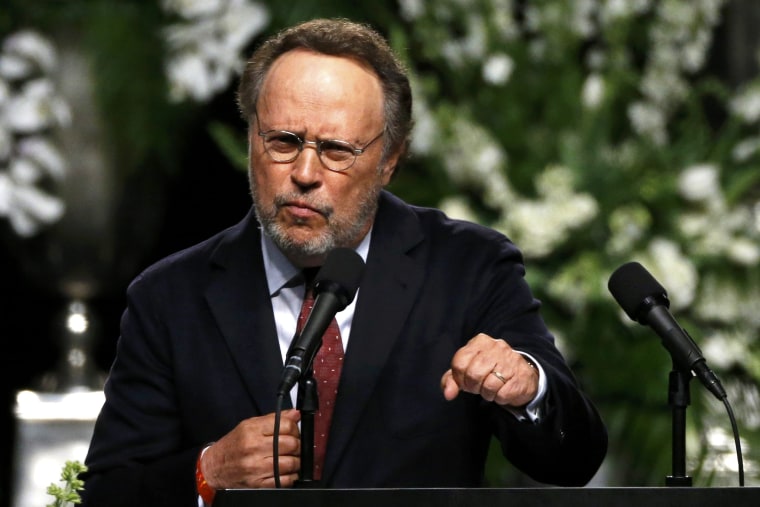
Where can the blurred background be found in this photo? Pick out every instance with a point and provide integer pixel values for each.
(592, 132)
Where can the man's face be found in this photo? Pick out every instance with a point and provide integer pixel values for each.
(306, 208)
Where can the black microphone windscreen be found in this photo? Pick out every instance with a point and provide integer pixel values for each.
(342, 271)
(631, 285)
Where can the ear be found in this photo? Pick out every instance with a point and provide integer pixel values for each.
(389, 167)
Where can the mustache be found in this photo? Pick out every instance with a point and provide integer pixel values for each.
(304, 199)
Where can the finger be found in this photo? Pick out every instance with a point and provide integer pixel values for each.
(518, 391)
(262, 475)
(292, 414)
(449, 386)
(463, 357)
(462, 369)
(289, 465)
(493, 384)
(288, 422)
(286, 481)
(289, 426)
(288, 444)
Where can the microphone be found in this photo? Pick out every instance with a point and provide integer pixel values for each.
(335, 287)
(645, 301)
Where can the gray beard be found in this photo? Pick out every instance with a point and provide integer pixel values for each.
(340, 233)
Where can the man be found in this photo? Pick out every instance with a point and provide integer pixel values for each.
(444, 346)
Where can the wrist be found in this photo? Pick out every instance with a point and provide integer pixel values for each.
(203, 488)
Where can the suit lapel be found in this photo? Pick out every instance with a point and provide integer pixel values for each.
(391, 282)
(239, 300)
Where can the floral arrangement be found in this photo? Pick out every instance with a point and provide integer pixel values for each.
(594, 133)
(30, 107)
(204, 45)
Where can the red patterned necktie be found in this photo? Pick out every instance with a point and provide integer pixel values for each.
(327, 366)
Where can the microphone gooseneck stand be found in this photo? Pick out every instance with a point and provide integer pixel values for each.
(679, 398)
(308, 403)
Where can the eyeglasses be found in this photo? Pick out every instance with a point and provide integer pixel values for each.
(336, 155)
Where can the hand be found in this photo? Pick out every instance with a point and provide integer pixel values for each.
(243, 457)
(493, 370)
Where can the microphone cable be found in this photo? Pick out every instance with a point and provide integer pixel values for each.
(276, 441)
(737, 440)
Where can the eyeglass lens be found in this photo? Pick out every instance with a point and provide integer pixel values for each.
(285, 147)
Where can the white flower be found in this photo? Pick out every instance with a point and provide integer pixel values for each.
(532, 18)
(628, 225)
(746, 104)
(648, 121)
(195, 8)
(694, 51)
(29, 110)
(204, 51)
(489, 158)
(593, 91)
(458, 208)
(745, 149)
(188, 77)
(693, 225)
(539, 226)
(498, 68)
(498, 193)
(25, 53)
(411, 9)
(720, 301)
(14, 67)
(555, 182)
(744, 252)
(426, 130)
(33, 108)
(699, 183)
(24, 172)
(44, 154)
(661, 82)
(674, 271)
(723, 351)
(472, 155)
(677, 14)
(471, 47)
(476, 43)
(582, 17)
(613, 10)
(502, 19)
(424, 135)
(27, 207)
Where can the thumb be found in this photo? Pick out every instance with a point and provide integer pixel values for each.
(292, 414)
(449, 386)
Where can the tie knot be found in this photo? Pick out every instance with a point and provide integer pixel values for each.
(309, 274)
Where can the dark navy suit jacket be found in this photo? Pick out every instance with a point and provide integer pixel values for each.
(198, 353)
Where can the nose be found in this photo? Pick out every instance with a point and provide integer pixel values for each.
(307, 168)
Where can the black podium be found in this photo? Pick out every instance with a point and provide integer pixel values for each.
(492, 497)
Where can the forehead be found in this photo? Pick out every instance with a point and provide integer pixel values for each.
(303, 85)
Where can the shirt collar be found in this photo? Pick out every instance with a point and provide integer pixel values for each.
(280, 272)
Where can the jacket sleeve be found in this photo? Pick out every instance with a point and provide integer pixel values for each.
(568, 443)
(138, 454)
